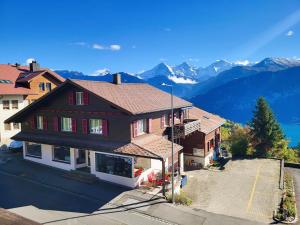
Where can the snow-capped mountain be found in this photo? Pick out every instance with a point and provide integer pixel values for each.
(161, 69)
(276, 63)
(214, 69)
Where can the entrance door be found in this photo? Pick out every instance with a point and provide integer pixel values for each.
(81, 156)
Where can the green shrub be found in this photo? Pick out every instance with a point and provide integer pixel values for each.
(181, 198)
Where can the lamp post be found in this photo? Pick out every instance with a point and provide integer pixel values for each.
(172, 137)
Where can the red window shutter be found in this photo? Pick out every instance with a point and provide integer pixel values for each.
(45, 123)
(134, 126)
(32, 122)
(84, 124)
(162, 122)
(55, 123)
(71, 98)
(74, 125)
(85, 98)
(149, 125)
(105, 128)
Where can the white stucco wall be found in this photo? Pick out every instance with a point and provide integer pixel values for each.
(5, 135)
(47, 157)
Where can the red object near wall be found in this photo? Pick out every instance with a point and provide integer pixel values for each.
(85, 98)
(74, 125)
(84, 123)
(32, 122)
(71, 98)
(45, 123)
(105, 128)
(149, 125)
(55, 123)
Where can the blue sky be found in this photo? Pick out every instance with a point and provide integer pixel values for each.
(133, 36)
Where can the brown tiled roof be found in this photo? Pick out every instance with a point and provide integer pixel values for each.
(134, 98)
(16, 75)
(208, 121)
(133, 149)
(157, 145)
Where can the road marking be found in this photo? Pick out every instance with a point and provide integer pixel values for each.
(253, 188)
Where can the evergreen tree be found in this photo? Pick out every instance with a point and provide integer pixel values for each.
(265, 130)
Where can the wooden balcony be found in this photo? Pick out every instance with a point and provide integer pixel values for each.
(187, 127)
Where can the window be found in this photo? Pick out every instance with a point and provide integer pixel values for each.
(16, 126)
(48, 86)
(95, 126)
(167, 120)
(42, 86)
(113, 164)
(5, 104)
(141, 126)
(14, 104)
(7, 126)
(39, 122)
(61, 154)
(66, 124)
(33, 150)
(79, 98)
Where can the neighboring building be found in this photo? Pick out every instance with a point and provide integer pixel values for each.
(19, 86)
(119, 132)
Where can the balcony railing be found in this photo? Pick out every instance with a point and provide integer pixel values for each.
(187, 127)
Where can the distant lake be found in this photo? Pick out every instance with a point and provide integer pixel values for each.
(292, 131)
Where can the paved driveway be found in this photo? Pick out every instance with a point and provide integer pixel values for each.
(246, 189)
(40, 193)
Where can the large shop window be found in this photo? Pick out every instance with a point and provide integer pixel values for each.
(112, 164)
(33, 149)
(95, 126)
(66, 124)
(61, 154)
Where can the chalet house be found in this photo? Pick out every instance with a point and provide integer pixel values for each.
(118, 132)
(19, 86)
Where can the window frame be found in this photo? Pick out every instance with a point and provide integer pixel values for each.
(167, 120)
(100, 126)
(31, 155)
(77, 94)
(140, 131)
(48, 86)
(7, 125)
(61, 160)
(12, 104)
(6, 106)
(42, 86)
(62, 128)
(39, 122)
(14, 126)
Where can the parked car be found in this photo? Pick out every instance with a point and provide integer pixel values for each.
(16, 146)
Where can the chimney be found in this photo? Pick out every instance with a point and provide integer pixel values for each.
(34, 66)
(117, 78)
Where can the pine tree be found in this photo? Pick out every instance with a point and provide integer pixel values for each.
(265, 130)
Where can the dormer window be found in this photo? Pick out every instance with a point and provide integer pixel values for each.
(79, 98)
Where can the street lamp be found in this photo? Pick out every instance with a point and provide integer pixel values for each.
(172, 137)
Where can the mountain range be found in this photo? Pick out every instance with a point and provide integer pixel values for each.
(225, 88)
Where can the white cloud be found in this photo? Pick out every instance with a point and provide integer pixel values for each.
(101, 72)
(98, 47)
(193, 59)
(242, 62)
(29, 60)
(182, 80)
(80, 43)
(290, 33)
(167, 29)
(163, 59)
(115, 47)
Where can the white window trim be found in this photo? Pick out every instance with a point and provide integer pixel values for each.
(39, 122)
(62, 124)
(77, 98)
(144, 122)
(100, 127)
